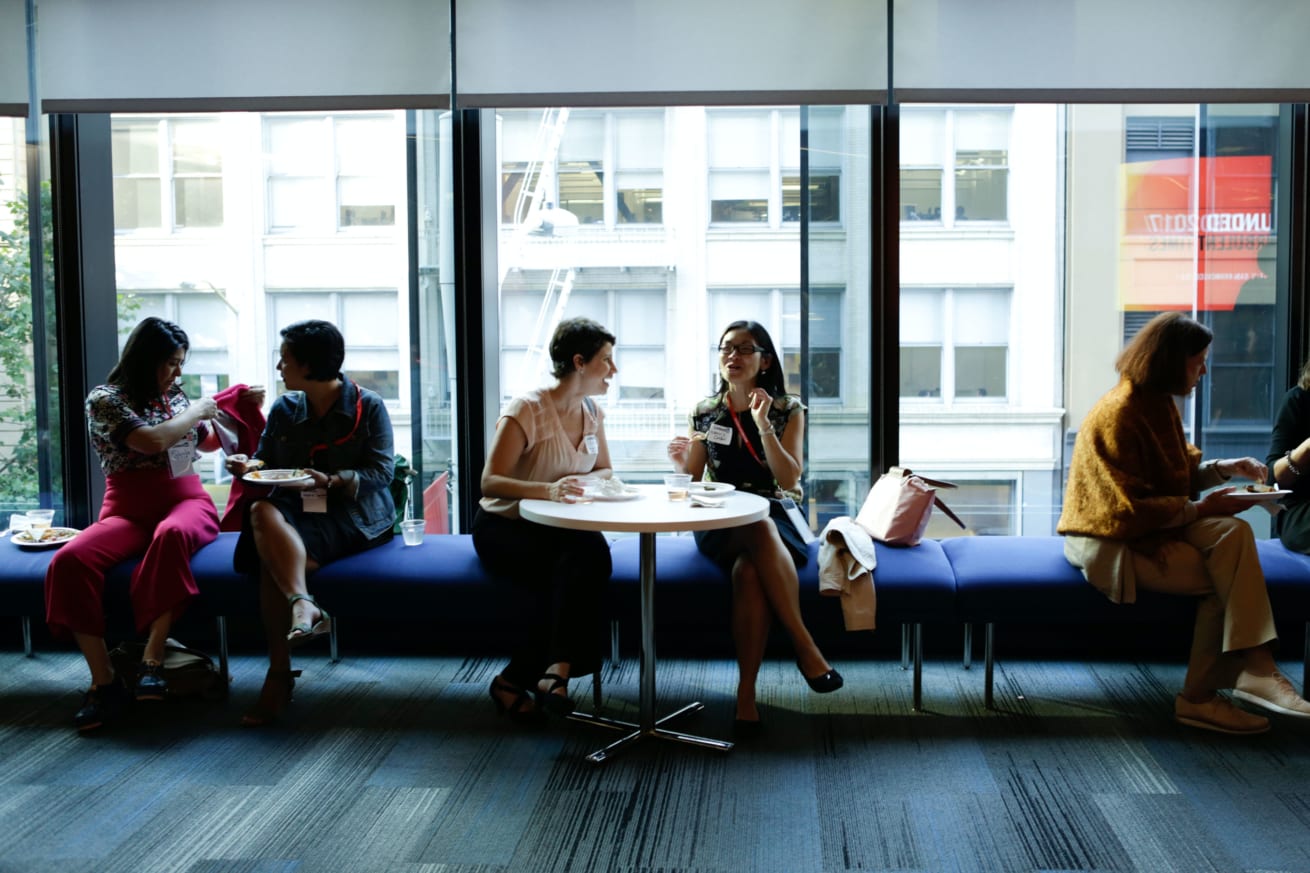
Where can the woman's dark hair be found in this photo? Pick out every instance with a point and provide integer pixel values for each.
(318, 345)
(150, 344)
(576, 336)
(771, 379)
(1156, 358)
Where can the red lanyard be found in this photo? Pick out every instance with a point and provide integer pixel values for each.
(741, 430)
(359, 408)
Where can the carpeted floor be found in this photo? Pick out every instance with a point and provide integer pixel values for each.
(399, 764)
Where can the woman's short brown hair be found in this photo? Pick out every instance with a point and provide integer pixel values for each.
(1156, 358)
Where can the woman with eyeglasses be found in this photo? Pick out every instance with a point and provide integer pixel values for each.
(338, 436)
(750, 434)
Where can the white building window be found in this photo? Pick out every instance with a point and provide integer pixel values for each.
(369, 321)
(955, 343)
(754, 165)
(606, 168)
(971, 148)
(328, 173)
(168, 173)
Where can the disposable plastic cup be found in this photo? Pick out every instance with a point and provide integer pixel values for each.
(40, 519)
(18, 521)
(590, 488)
(412, 531)
(678, 485)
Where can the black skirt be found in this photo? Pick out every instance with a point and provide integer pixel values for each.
(327, 535)
(714, 544)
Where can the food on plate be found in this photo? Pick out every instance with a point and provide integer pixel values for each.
(612, 487)
(276, 475)
(254, 464)
(49, 535)
(1260, 489)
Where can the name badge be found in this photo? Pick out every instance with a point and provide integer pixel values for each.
(590, 444)
(313, 500)
(719, 434)
(180, 457)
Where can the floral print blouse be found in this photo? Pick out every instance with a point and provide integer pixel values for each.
(110, 418)
(733, 462)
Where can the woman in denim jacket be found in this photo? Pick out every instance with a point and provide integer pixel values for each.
(337, 436)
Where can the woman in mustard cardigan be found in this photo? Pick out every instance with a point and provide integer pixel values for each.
(1132, 519)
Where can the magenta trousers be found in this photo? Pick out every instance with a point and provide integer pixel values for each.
(146, 513)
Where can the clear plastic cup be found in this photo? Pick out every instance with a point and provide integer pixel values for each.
(39, 521)
(678, 485)
(18, 522)
(412, 530)
(590, 488)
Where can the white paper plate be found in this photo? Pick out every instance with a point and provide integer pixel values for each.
(276, 477)
(1259, 496)
(55, 536)
(711, 489)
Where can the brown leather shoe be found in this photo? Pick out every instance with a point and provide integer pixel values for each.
(1273, 693)
(1218, 714)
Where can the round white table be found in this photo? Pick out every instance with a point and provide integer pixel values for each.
(647, 514)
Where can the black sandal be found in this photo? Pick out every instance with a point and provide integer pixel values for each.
(265, 711)
(517, 711)
(555, 704)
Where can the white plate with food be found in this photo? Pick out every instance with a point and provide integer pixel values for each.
(1259, 494)
(711, 489)
(48, 539)
(276, 477)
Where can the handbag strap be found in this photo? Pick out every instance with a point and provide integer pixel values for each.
(946, 509)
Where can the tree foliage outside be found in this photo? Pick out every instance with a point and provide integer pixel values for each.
(20, 442)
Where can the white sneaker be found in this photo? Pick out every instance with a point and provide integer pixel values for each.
(1274, 693)
(1218, 714)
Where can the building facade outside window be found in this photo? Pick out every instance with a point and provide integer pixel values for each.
(168, 174)
(955, 165)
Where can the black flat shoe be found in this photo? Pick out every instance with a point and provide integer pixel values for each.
(150, 681)
(823, 683)
(101, 705)
(517, 711)
(555, 704)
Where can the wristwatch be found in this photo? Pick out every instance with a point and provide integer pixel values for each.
(1291, 466)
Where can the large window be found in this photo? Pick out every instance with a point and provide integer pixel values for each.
(31, 473)
(310, 224)
(667, 289)
(168, 173)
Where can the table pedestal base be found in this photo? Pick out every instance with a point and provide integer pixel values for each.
(636, 733)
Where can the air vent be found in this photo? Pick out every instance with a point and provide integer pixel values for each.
(1160, 134)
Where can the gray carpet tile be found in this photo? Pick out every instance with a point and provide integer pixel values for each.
(400, 764)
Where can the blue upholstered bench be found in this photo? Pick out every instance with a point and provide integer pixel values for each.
(914, 585)
(1027, 580)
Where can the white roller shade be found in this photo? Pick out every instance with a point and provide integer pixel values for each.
(163, 55)
(1007, 50)
(13, 57)
(610, 52)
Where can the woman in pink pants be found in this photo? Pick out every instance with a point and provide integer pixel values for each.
(147, 434)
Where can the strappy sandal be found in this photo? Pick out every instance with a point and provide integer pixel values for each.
(555, 704)
(303, 633)
(517, 711)
(266, 711)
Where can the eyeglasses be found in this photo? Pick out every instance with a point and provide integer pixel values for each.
(745, 350)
